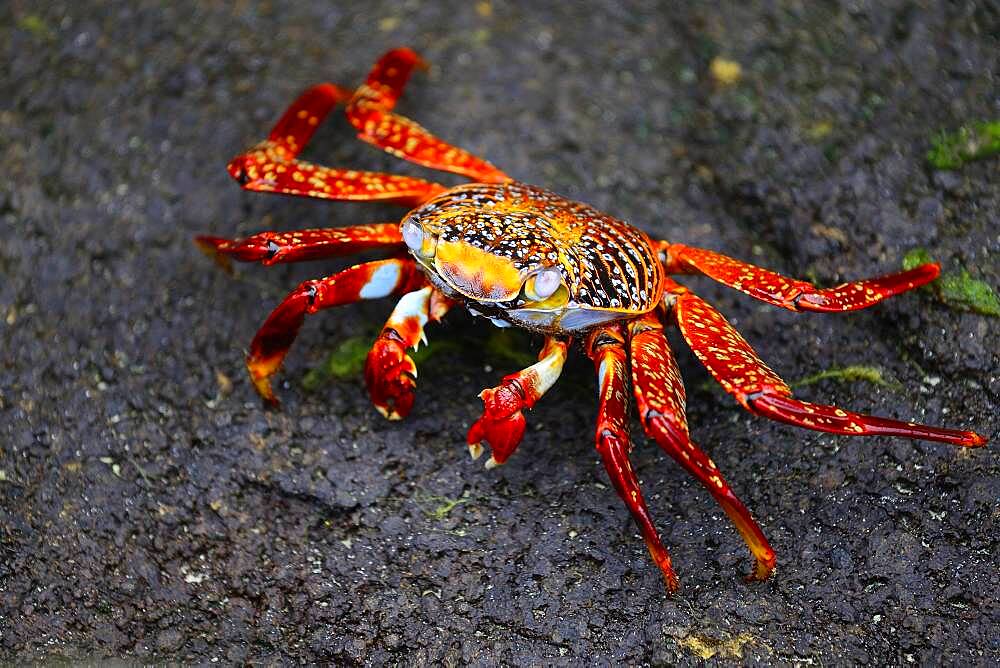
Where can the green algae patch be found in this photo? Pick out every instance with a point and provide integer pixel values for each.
(951, 150)
(849, 374)
(347, 359)
(36, 26)
(964, 292)
(959, 290)
(510, 346)
(915, 258)
(438, 507)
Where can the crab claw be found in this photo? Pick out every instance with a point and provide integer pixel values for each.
(390, 375)
(502, 424)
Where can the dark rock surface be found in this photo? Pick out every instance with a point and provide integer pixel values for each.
(145, 513)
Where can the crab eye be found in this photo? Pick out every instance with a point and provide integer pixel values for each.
(413, 235)
(417, 240)
(543, 284)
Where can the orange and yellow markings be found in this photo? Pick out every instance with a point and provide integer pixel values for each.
(268, 168)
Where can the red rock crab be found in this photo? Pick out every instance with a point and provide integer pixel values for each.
(523, 256)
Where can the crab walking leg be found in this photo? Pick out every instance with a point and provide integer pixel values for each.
(271, 166)
(370, 280)
(266, 168)
(502, 423)
(300, 245)
(659, 395)
(606, 348)
(735, 365)
(302, 118)
(370, 112)
(790, 293)
(390, 373)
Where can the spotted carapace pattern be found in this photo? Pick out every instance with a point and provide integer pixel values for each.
(608, 267)
(524, 256)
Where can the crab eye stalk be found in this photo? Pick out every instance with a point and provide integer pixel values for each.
(544, 284)
(417, 240)
(413, 235)
(545, 288)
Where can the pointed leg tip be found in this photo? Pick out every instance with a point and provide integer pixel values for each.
(974, 440)
(261, 370)
(207, 243)
(268, 398)
(491, 463)
(210, 247)
(662, 560)
(475, 450)
(762, 570)
(263, 387)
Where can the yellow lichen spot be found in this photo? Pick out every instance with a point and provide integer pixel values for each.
(389, 23)
(725, 72)
(819, 130)
(705, 647)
